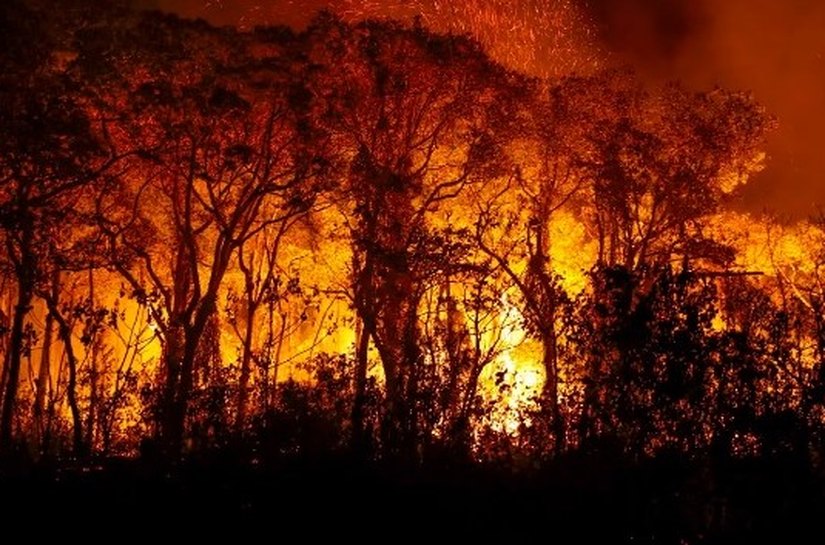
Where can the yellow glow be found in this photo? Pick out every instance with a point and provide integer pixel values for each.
(515, 379)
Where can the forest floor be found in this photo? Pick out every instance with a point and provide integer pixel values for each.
(580, 500)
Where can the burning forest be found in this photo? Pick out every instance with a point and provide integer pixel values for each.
(407, 245)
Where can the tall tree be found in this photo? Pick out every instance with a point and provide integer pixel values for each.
(410, 113)
(49, 153)
(228, 150)
(513, 225)
(659, 162)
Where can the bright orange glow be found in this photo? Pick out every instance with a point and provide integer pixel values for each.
(374, 222)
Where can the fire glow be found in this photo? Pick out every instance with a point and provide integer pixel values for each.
(375, 225)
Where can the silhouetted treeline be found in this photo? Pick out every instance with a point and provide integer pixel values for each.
(356, 237)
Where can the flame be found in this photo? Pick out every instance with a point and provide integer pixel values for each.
(514, 381)
(315, 316)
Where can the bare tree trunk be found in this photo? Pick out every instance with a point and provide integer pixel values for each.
(246, 364)
(278, 349)
(176, 421)
(176, 415)
(6, 315)
(412, 362)
(65, 332)
(43, 373)
(360, 382)
(24, 298)
(400, 357)
(4, 374)
(545, 309)
(94, 397)
(94, 394)
(172, 356)
(13, 376)
(551, 387)
(266, 397)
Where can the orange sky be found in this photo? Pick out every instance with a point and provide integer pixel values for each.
(774, 48)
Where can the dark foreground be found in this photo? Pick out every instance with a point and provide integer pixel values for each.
(578, 500)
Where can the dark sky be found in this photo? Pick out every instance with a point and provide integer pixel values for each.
(775, 48)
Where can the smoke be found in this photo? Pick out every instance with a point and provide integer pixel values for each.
(650, 33)
(773, 48)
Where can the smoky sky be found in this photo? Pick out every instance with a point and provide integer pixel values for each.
(773, 48)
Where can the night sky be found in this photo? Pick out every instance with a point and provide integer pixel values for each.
(774, 48)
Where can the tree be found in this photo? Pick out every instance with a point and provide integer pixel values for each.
(513, 226)
(659, 162)
(49, 154)
(227, 150)
(266, 283)
(409, 111)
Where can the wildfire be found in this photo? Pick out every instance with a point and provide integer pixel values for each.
(376, 222)
(515, 378)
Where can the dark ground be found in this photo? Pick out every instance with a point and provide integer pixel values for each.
(592, 500)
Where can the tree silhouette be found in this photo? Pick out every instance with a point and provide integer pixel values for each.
(224, 160)
(408, 109)
(50, 154)
(185, 209)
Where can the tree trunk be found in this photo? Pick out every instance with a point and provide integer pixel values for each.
(65, 333)
(461, 427)
(25, 294)
(94, 398)
(175, 420)
(71, 393)
(16, 342)
(545, 297)
(7, 314)
(246, 364)
(94, 394)
(276, 362)
(400, 358)
(266, 397)
(412, 363)
(43, 373)
(551, 387)
(178, 402)
(172, 357)
(359, 438)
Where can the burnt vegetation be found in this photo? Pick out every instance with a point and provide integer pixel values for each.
(242, 271)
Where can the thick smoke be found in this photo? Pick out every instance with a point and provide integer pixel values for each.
(773, 48)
